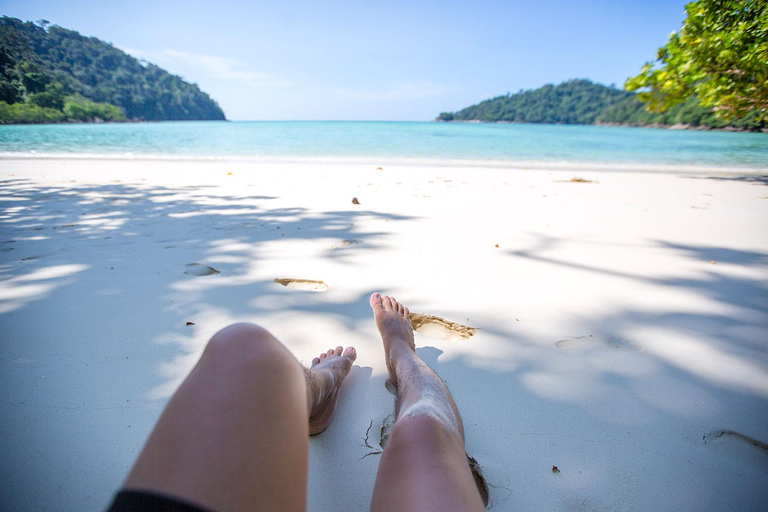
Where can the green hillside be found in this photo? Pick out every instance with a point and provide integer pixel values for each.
(54, 74)
(572, 102)
(584, 102)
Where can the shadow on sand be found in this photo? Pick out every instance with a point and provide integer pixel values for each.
(619, 420)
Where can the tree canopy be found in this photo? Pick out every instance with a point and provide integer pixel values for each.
(632, 112)
(719, 55)
(49, 66)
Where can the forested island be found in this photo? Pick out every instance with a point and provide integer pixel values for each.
(581, 101)
(49, 74)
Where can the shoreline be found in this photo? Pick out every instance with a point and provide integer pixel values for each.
(657, 126)
(683, 126)
(541, 165)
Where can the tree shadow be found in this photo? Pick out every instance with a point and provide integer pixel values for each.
(748, 178)
(726, 288)
(624, 399)
(622, 413)
(104, 267)
(617, 423)
(193, 221)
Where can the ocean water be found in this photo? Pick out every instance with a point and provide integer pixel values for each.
(461, 142)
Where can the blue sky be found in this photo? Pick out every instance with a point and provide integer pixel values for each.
(362, 60)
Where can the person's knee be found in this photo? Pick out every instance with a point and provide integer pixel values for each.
(426, 424)
(249, 344)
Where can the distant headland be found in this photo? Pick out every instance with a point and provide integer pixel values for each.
(49, 74)
(581, 101)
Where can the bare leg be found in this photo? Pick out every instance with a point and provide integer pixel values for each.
(235, 434)
(424, 466)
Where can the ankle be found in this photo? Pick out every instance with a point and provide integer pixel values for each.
(401, 349)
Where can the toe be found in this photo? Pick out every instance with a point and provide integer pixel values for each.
(406, 313)
(351, 353)
(323, 356)
(339, 350)
(376, 301)
(389, 302)
(315, 361)
(331, 352)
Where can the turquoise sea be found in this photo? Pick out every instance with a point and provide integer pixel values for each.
(475, 143)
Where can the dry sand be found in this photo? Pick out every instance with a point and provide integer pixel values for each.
(620, 325)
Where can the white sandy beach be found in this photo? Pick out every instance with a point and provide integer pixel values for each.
(621, 324)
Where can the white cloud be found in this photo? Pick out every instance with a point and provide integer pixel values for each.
(228, 69)
(222, 68)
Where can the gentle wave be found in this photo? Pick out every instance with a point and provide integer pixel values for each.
(411, 162)
(495, 145)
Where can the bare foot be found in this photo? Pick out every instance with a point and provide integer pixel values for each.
(324, 380)
(394, 324)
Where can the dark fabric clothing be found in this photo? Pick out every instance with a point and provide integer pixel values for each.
(135, 501)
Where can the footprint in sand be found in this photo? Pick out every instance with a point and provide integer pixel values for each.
(576, 180)
(198, 269)
(386, 429)
(303, 284)
(746, 449)
(594, 341)
(346, 243)
(436, 327)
